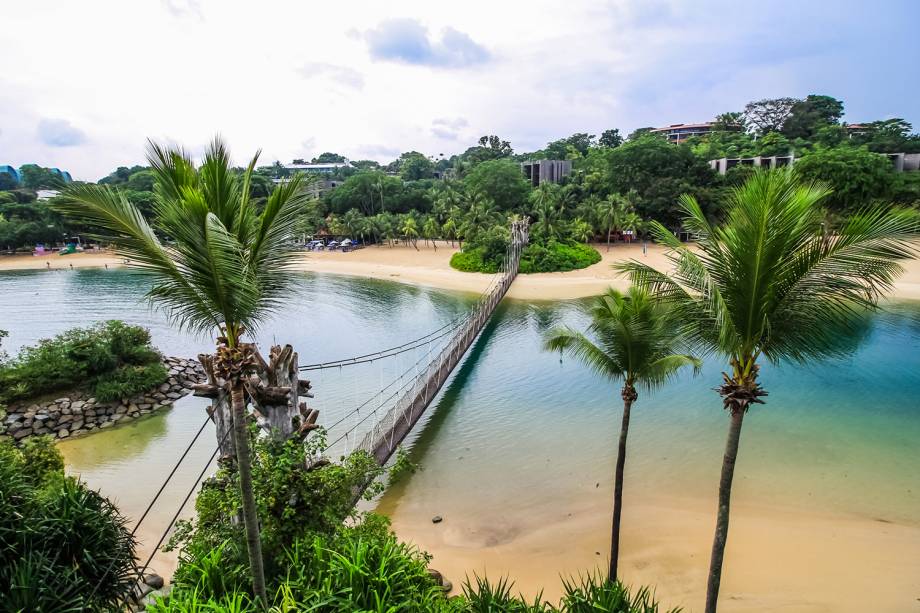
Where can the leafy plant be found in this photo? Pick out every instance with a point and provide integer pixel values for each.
(63, 547)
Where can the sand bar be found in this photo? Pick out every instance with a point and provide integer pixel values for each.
(430, 267)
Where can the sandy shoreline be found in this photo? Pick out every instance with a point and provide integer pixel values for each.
(431, 268)
(777, 559)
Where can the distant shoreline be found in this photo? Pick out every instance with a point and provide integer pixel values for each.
(431, 268)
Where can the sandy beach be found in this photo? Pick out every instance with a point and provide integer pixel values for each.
(430, 267)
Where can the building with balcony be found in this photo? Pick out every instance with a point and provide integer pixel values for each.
(722, 165)
(679, 132)
(553, 171)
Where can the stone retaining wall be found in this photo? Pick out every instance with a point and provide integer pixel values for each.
(79, 413)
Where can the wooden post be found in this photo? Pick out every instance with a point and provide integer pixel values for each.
(276, 390)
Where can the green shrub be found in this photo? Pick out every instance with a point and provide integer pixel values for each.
(557, 257)
(83, 357)
(63, 547)
(128, 380)
(552, 256)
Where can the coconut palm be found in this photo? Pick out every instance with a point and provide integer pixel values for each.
(450, 229)
(430, 231)
(581, 230)
(631, 339)
(612, 212)
(770, 284)
(546, 201)
(409, 230)
(225, 268)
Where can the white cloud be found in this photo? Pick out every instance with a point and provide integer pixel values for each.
(278, 75)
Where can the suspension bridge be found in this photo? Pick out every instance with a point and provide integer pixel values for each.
(380, 423)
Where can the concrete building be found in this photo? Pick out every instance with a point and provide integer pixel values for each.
(679, 132)
(902, 162)
(905, 162)
(777, 161)
(538, 171)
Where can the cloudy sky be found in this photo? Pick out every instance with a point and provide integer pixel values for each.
(85, 83)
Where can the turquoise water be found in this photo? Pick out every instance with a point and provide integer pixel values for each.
(516, 429)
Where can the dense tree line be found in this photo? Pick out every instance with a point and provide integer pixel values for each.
(617, 183)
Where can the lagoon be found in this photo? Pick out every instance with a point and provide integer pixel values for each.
(517, 453)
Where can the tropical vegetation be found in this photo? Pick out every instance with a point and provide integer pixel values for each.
(112, 359)
(63, 547)
(224, 270)
(773, 283)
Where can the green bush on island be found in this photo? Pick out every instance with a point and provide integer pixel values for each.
(63, 547)
(113, 359)
(552, 256)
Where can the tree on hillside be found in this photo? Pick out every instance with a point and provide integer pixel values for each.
(632, 338)
(771, 283)
(610, 138)
(328, 158)
(227, 269)
(769, 114)
(855, 175)
(639, 133)
(810, 115)
(563, 148)
(501, 181)
(659, 172)
(414, 166)
(36, 177)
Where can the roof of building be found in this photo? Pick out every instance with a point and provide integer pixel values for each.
(330, 165)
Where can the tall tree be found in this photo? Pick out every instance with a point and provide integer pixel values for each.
(226, 268)
(771, 283)
(769, 114)
(632, 338)
(610, 138)
(808, 116)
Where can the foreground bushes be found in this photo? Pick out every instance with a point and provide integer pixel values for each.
(62, 546)
(552, 256)
(322, 557)
(114, 359)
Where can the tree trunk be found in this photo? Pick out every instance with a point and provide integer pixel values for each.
(629, 396)
(725, 493)
(250, 514)
(276, 390)
(609, 230)
(220, 411)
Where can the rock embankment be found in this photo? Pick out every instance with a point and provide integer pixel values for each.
(79, 413)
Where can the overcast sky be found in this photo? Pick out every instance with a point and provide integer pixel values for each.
(85, 83)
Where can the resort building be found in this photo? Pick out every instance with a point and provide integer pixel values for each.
(679, 132)
(319, 169)
(777, 161)
(553, 171)
(9, 170)
(902, 162)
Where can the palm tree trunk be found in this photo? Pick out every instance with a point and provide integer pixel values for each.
(629, 396)
(725, 493)
(609, 230)
(250, 515)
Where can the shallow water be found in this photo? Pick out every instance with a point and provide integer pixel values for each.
(517, 436)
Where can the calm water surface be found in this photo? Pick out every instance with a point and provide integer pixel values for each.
(516, 428)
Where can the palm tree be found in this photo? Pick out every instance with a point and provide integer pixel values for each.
(430, 230)
(546, 207)
(450, 229)
(581, 230)
(614, 208)
(635, 343)
(410, 230)
(226, 268)
(769, 283)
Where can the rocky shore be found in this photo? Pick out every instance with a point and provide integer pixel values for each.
(78, 413)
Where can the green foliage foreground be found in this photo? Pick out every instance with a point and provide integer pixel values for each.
(114, 359)
(320, 555)
(63, 547)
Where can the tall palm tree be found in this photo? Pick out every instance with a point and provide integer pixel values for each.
(612, 212)
(769, 283)
(634, 341)
(225, 269)
(409, 230)
(545, 201)
(430, 230)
